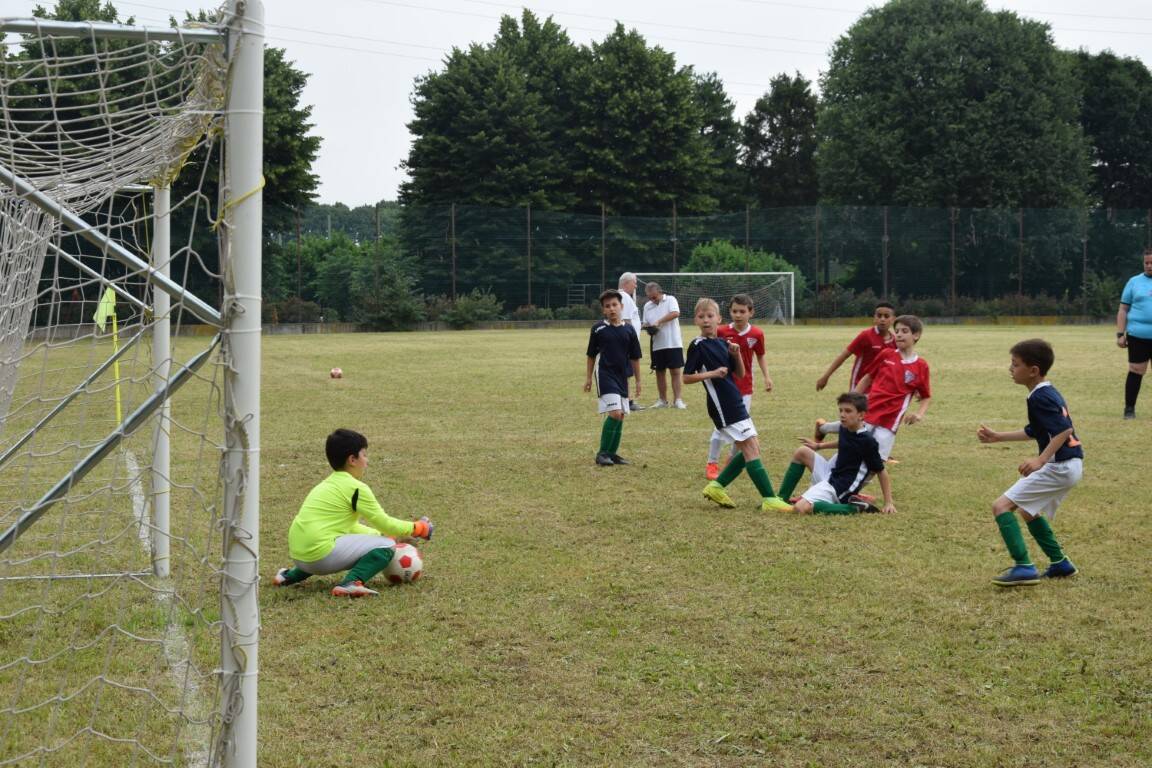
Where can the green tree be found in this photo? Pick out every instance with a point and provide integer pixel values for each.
(1117, 118)
(723, 256)
(721, 134)
(779, 138)
(945, 103)
(289, 147)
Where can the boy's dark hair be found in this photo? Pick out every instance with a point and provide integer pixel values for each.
(880, 304)
(611, 293)
(341, 444)
(858, 400)
(913, 323)
(1035, 352)
(742, 299)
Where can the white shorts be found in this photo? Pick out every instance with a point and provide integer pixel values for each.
(348, 549)
(821, 491)
(1041, 492)
(885, 439)
(613, 402)
(822, 467)
(724, 435)
(739, 431)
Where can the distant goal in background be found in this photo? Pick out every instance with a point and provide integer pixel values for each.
(773, 293)
(130, 201)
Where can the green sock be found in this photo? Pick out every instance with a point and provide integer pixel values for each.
(369, 565)
(1042, 532)
(732, 469)
(792, 476)
(617, 433)
(294, 575)
(828, 508)
(759, 477)
(1013, 538)
(606, 435)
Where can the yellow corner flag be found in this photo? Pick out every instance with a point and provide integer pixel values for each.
(105, 309)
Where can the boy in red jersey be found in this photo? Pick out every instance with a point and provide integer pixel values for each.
(750, 340)
(895, 376)
(867, 346)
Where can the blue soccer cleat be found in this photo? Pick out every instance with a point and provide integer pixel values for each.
(1061, 570)
(1018, 576)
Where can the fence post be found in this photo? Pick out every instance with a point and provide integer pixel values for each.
(884, 257)
(452, 240)
(1020, 261)
(603, 249)
(674, 238)
(816, 209)
(952, 283)
(1084, 266)
(747, 232)
(529, 241)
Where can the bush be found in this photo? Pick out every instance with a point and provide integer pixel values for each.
(472, 308)
(292, 310)
(579, 312)
(531, 312)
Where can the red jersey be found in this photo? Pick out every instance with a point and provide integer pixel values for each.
(894, 381)
(867, 346)
(750, 341)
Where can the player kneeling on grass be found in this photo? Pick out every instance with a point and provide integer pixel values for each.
(327, 536)
(836, 481)
(1046, 479)
(613, 348)
(713, 361)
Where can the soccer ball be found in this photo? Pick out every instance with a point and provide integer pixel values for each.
(406, 565)
(336, 373)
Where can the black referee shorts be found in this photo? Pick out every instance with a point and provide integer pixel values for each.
(1139, 350)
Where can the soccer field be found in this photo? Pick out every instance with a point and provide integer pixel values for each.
(583, 616)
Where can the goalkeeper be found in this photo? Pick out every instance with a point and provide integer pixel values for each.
(327, 536)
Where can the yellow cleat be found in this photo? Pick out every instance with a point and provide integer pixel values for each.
(775, 504)
(715, 492)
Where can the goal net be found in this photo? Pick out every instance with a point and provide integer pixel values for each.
(772, 293)
(128, 430)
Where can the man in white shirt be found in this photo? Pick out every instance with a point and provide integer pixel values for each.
(662, 322)
(630, 315)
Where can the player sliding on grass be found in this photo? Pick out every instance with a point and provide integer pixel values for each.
(327, 536)
(836, 481)
(1046, 479)
(750, 340)
(613, 348)
(712, 361)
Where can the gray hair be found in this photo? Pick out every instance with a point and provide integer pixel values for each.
(627, 277)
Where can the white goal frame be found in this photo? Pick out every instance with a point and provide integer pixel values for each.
(239, 325)
(789, 319)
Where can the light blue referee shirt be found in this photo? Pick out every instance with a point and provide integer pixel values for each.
(1138, 296)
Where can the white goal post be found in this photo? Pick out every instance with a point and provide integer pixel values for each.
(773, 293)
(130, 212)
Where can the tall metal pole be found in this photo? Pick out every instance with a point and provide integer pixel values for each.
(1020, 260)
(674, 238)
(162, 357)
(747, 233)
(952, 291)
(298, 270)
(528, 236)
(603, 248)
(240, 611)
(817, 211)
(885, 252)
(452, 240)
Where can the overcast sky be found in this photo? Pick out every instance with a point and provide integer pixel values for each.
(362, 56)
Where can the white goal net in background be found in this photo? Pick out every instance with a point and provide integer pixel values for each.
(129, 380)
(772, 293)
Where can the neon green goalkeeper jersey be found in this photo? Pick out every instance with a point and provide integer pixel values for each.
(334, 508)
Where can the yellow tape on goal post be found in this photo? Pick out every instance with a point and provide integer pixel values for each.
(106, 309)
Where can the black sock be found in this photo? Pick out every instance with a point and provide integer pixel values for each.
(1132, 389)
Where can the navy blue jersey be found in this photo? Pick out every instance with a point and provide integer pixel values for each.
(1048, 417)
(725, 403)
(617, 346)
(857, 459)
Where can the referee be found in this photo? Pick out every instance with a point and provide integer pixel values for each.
(1134, 331)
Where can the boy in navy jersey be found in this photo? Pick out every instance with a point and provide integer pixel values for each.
(1046, 479)
(613, 347)
(835, 482)
(715, 362)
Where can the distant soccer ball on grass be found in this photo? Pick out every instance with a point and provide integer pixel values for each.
(406, 565)
(336, 373)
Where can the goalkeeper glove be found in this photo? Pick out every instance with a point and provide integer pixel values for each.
(423, 528)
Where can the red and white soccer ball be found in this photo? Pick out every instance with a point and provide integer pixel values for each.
(336, 373)
(406, 565)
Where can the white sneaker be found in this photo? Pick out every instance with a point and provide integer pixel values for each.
(679, 404)
(659, 404)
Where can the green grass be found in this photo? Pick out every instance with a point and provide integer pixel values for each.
(575, 615)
